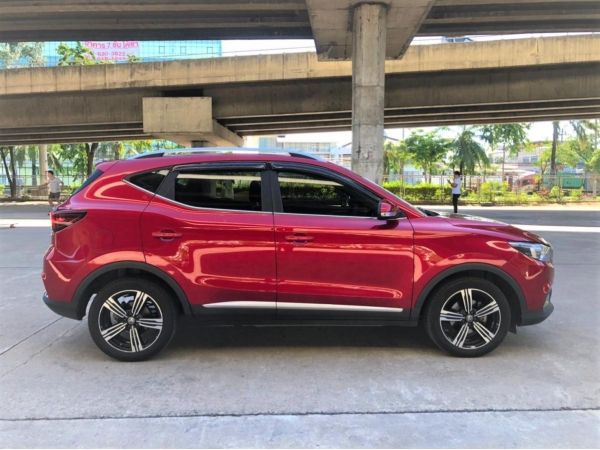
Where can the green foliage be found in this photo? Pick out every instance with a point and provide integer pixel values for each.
(395, 157)
(576, 194)
(419, 192)
(79, 55)
(512, 135)
(467, 153)
(565, 156)
(17, 54)
(1, 190)
(585, 145)
(427, 149)
(555, 193)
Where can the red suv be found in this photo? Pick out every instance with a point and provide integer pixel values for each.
(255, 238)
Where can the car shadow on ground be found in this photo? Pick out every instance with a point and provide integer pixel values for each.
(194, 334)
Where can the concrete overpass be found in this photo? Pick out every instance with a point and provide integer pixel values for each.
(221, 100)
(366, 31)
(329, 22)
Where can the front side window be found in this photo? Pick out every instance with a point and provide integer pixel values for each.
(304, 193)
(220, 189)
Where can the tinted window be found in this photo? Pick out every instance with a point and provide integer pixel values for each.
(312, 194)
(229, 189)
(149, 180)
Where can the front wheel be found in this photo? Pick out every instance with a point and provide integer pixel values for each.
(468, 317)
(132, 319)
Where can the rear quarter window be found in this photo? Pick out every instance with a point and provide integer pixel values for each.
(149, 181)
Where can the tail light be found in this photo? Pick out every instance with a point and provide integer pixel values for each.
(63, 219)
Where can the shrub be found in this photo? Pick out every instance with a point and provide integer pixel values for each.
(577, 194)
(555, 193)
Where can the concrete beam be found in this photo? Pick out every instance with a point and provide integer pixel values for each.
(295, 66)
(185, 120)
(331, 23)
(69, 20)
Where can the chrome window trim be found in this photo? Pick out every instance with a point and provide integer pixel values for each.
(212, 209)
(343, 217)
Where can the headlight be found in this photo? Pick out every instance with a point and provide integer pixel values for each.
(541, 252)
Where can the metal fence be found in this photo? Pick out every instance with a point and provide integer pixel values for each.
(412, 187)
(492, 190)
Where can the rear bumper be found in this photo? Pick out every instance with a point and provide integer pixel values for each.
(533, 317)
(66, 309)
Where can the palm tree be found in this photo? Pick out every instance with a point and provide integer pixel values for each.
(468, 153)
(395, 157)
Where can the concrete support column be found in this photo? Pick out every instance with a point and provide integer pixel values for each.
(43, 165)
(368, 89)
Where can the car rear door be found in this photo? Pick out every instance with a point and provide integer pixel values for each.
(209, 227)
(334, 257)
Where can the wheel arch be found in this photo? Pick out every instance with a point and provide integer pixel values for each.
(99, 277)
(503, 280)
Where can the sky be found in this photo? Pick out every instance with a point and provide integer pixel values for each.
(539, 131)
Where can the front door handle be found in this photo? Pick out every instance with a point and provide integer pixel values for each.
(298, 238)
(166, 235)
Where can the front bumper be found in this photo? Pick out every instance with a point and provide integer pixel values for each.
(533, 317)
(67, 309)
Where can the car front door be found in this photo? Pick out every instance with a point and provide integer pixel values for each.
(335, 258)
(210, 229)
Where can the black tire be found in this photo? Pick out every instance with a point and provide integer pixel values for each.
(132, 319)
(464, 333)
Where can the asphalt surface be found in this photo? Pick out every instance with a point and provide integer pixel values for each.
(302, 386)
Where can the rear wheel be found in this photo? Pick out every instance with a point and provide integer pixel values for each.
(468, 317)
(132, 319)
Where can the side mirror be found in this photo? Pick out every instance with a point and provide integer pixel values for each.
(387, 211)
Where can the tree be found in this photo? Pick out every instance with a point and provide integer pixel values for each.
(427, 149)
(7, 154)
(585, 144)
(563, 156)
(555, 131)
(468, 153)
(395, 157)
(18, 54)
(79, 55)
(512, 136)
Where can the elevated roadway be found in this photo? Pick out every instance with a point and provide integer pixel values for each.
(221, 100)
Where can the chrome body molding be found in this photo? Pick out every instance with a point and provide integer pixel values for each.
(296, 306)
(237, 304)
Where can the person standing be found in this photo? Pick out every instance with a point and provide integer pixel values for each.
(54, 187)
(456, 184)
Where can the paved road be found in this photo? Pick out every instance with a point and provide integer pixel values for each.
(302, 387)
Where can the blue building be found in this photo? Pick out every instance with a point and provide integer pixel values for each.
(147, 51)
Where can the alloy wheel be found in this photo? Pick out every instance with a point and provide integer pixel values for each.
(130, 321)
(470, 319)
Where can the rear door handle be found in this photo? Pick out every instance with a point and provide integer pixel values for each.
(299, 238)
(166, 235)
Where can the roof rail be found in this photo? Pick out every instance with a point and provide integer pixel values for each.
(238, 150)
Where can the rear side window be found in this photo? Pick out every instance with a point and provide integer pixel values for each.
(220, 189)
(93, 177)
(149, 181)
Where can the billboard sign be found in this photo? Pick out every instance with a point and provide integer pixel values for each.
(113, 50)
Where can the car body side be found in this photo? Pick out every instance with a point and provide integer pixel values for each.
(108, 242)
